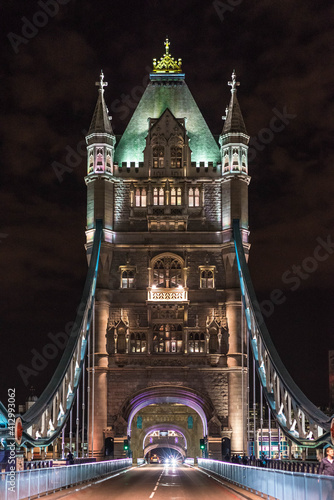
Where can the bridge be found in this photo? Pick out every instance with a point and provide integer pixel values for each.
(169, 352)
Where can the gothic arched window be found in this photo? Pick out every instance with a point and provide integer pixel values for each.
(137, 197)
(140, 197)
(138, 343)
(196, 342)
(143, 197)
(127, 276)
(167, 272)
(158, 156)
(196, 198)
(167, 338)
(176, 157)
(191, 197)
(207, 278)
(158, 196)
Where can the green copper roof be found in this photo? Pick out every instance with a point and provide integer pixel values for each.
(176, 96)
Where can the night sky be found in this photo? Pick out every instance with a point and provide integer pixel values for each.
(283, 56)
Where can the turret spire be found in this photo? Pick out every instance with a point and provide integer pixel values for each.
(101, 120)
(234, 121)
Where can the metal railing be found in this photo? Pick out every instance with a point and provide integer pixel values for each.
(32, 483)
(278, 484)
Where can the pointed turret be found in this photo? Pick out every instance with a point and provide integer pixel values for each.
(100, 163)
(101, 120)
(234, 121)
(234, 156)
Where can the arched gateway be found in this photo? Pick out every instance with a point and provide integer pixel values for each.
(169, 343)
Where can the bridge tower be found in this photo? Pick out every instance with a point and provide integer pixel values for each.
(168, 337)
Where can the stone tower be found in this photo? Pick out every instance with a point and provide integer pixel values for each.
(168, 348)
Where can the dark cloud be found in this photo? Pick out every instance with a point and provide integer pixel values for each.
(283, 56)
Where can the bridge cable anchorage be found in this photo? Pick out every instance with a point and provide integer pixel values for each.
(300, 420)
(46, 419)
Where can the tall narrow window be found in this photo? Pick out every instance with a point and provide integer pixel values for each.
(173, 196)
(196, 198)
(137, 197)
(191, 197)
(176, 157)
(128, 278)
(99, 159)
(91, 162)
(161, 196)
(143, 197)
(158, 156)
(155, 196)
(179, 196)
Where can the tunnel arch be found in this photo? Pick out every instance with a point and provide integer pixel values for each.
(166, 427)
(168, 394)
(151, 447)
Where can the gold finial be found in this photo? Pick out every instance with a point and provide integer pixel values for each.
(101, 83)
(234, 84)
(167, 44)
(167, 63)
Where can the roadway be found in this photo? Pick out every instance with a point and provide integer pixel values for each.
(155, 482)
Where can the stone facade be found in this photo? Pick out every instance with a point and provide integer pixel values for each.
(168, 329)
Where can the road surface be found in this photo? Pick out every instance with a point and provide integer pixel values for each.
(155, 482)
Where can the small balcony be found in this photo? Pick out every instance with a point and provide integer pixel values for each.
(178, 294)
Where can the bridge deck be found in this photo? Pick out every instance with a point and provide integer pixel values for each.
(158, 483)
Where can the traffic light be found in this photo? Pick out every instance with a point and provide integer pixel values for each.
(202, 444)
(125, 445)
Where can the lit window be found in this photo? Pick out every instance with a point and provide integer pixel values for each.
(194, 197)
(167, 273)
(127, 276)
(178, 196)
(191, 197)
(140, 197)
(138, 343)
(176, 157)
(167, 338)
(196, 342)
(155, 196)
(197, 197)
(173, 196)
(161, 196)
(158, 156)
(207, 277)
(91, 162)
(143, 197)
(137, 197)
